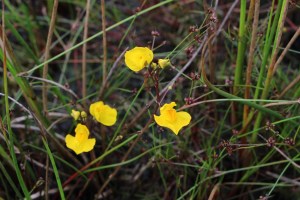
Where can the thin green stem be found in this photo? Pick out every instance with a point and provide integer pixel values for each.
(55, 170)
(278, 179)
(266, 89)
(10, 181)
(267, 45)
(241, 47)
(240, 57)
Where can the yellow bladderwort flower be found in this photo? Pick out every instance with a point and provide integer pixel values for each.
(103, 113)
(138, 58)
(163, 63)
(80, 143)
(75, 114)
(172, 119)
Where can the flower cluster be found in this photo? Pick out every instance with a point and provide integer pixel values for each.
(140, 57)
(102, 113)
(79, 115)
(136, 59)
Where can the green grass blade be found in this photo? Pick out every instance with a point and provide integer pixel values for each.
(59, 185)
(241, 47)
(10, 181)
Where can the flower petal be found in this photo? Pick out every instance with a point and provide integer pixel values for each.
(72, 143)
(132, 63)
(183, 119)
(108, 117)
(82, 132)
(94, 107)
(167, 106)
(88, 145)
(138, 58)
(103, 113)
(164, 122)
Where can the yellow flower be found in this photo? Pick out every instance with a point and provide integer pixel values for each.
(163, 63)
(103, 113)
(172, 119)
(80, 143)
(75, 114)
(138, 58)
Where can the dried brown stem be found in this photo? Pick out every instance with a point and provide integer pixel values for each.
(250, 58)
(211, 25)
(288, 46)
(104, 41)
(251, 11)
(45, 84)
(84, 50)
(287, 88)
(214, 193)
(47, 49)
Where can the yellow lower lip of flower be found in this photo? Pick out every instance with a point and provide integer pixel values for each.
(80, 143)
(138, 58)
(172, 119)
(103, 113)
